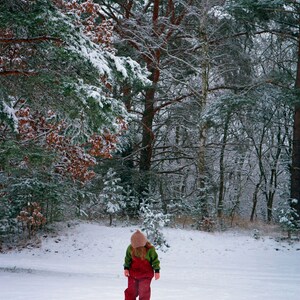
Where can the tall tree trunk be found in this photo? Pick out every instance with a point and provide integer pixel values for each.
(255, 200)
(148, 135)
(273, 182)
(149, 112)
(147, 123)
(295, 169)
(271, 194)
(222, 169)
(203, 127)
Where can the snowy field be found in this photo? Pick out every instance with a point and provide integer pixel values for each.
(85, 263)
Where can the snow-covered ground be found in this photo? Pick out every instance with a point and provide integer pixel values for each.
(85, 263)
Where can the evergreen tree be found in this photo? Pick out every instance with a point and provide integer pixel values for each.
(112, 195)
(153, 218)
(58, 109)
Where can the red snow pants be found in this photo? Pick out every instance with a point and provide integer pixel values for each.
(138, 287)
(141, 274)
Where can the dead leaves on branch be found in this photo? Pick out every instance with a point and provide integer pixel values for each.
(75, 161)
(31, 218)
(95, 24)
(17, 55)
(16, 51)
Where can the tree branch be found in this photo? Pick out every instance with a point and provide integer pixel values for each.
(218, 41)
(17, 73)
(179, 99)
(37, 39)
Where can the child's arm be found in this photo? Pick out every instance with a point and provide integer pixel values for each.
(127, 261)
(154, 262)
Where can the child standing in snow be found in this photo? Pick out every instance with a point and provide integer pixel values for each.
(141, 265)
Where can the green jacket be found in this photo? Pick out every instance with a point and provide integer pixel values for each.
(151, 256)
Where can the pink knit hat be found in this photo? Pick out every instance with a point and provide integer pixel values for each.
(138, 239)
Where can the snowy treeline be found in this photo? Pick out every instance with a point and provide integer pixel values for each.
(159, 111)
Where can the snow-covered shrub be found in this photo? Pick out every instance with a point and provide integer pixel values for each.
(288, 217)
(8, 224)
(256, 234)
(153, 223)
(154, 220)
(202, 209)
(131, 203)
(111, 197)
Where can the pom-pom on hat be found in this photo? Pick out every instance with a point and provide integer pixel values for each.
(138, 239)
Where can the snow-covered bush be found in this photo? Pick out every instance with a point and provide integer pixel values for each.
(111, 197)
(131, 203)
(288, 217)
(202, 208)
(154, 220)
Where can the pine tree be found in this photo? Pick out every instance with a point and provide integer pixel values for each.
(112, 195)
(58, 109)
(153, 218)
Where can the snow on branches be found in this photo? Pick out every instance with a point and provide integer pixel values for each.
(72, 59)
(16, 52)
(96, 26)
(72, 159)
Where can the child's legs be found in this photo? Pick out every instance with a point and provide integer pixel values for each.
(132, 290)
(144, 289)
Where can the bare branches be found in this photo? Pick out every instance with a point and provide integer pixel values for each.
(165, 104)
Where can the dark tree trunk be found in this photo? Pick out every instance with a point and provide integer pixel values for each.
(222, 169)
(295, 170)
(295, 180)
(254, 201)
(148, 114)
(148, 136)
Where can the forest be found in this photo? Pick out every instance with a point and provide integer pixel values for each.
(164, 111)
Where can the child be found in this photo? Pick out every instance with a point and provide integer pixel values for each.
(141, 264)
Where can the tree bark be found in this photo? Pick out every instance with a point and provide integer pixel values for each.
(295, 169)
(148, 114)
(255, 200)
(201, 164)
(222, 169)
(148, 135)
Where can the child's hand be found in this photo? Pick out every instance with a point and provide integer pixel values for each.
(126, 273)
(156, 276)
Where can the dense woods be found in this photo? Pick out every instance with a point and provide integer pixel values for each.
(158, 110)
